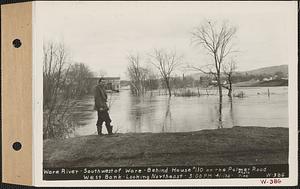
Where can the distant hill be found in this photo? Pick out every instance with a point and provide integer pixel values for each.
(254, 83)
(268, 70)
(271, 70)
(272, 83)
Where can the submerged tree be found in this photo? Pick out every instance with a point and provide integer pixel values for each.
(166, 63)
(228, 70)
(217, 41)
(137, 75)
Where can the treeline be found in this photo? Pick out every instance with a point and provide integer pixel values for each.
(214, 38)
(143, 78)
(149, 81)
(64, 82)
(175, 82)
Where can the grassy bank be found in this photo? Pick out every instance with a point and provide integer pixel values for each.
(235, 146)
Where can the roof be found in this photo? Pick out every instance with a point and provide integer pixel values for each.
(106, 78)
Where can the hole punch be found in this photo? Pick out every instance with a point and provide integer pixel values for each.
(17, 146)
(17, 43)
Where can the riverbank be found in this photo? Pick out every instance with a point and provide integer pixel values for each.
(229, 146)
(271, 83)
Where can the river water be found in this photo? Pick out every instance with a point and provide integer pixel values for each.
(159, 113)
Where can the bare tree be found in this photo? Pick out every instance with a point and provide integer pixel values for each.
(63, 83)
(55, 71)
(137, 75)
(166, 63)
(78, 80)
(217, 41)
(228, 70)
(152, 80)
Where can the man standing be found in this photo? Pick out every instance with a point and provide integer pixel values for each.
(102, 108)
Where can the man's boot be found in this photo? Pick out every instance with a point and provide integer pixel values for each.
(109, 129)
(99, 130)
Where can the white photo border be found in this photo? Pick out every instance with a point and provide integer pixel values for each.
(292, 36)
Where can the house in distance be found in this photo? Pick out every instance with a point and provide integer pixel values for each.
(112, 84)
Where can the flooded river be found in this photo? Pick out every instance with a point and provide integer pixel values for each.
(159, 113)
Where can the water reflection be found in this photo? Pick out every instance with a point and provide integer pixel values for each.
(231, 110)
(167, 124)
(220, 125)
(220, 114)
(159, 113)
(144, 115)
(136, 113)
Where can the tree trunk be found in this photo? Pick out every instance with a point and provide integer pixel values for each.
(229, 92)
(220, 125)
(230, 89)
(219, 85)
(169, 89)
(220, 90)
(168, 86)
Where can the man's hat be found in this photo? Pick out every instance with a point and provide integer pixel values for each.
(101, 79)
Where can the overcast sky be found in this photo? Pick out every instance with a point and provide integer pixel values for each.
(103, 34)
